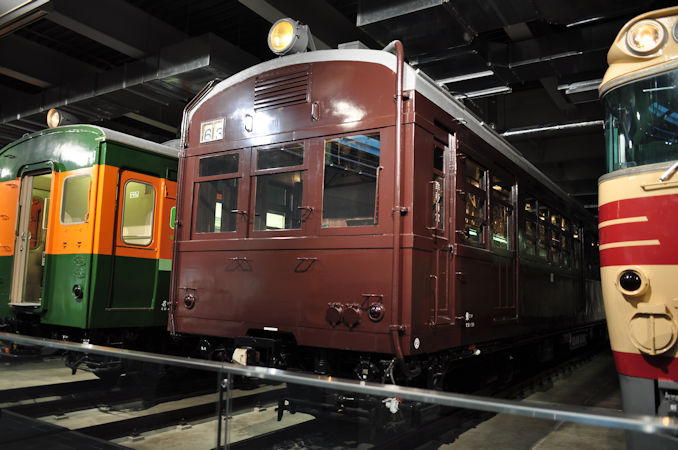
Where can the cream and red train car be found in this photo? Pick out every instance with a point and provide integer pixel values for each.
(638, 200)
(341, 212)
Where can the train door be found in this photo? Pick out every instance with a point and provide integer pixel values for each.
(135, 253)
(440, 232)
(29, 246)
(502, 242)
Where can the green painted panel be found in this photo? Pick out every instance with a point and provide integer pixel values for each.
(5, 285)
(137, 284)
(117, 155)
(59, 305)
(67, 148)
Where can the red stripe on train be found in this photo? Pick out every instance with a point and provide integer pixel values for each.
(662, 215)
(653, 367)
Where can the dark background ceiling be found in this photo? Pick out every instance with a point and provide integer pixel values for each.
(529, 67)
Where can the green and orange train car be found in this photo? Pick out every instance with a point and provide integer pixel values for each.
(86, 231)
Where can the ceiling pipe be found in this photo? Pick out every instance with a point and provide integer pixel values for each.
(538, 131)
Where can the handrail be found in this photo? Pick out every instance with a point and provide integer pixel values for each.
(396, 316)
(551, 411)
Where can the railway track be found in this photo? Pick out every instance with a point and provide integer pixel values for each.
(450, 424)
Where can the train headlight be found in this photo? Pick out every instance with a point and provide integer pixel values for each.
(57, 117)
(376, 312)
(645, 37)
(288, 36)
(189, 301)
(632, 282)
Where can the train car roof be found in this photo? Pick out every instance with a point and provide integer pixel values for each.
(414, 79)
(104, 134)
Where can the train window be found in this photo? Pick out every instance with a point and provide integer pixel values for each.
(502, 212)
(350, 184)
(531, 205)
(529, 232)
(576, 238)
(501, 189)
(530, 237)
(541, 240)
(543, 213)
(475, 217)
(137, 213)
(217, 201)
(75, 199)
(219, 165)
(278, 203)
(285, 156)
(501, 225)
(475, 175)
(555, 245)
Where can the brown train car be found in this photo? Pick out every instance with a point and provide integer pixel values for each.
(340, 212)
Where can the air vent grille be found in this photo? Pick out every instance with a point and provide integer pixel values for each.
(286, 90)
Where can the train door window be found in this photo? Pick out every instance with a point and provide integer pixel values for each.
(278, 198)
(502, 212)
(137, 213)
(542, 231)
(475, 202)
(351, 181)
(438, 188)
(530, 230)
(217, 197)
(75, 199)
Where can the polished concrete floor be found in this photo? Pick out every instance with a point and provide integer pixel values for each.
(593, 384)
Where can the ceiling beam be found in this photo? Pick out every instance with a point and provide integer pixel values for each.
(198, 59)
(38, 65)
(115, 24)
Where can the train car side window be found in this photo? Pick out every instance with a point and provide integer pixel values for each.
(542, 231)
(75, 199)
(218, 165)
(530, 231)
(218, 199)
(350, 183)
(475, 216)
(565, 244)
(502, 212)
(576, 238)
(555, 238)
(279, 196)
(137, 213)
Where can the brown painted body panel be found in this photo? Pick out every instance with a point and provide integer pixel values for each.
(284, 280)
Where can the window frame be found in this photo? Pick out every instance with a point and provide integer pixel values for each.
(63, 196)
(306, 195)
(243, 156)
(123, 210)
(382, 196)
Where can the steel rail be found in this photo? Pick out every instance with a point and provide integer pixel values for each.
(557, 412)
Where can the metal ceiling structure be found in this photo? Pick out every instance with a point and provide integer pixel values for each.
(529, 67)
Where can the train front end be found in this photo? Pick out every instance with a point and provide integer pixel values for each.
(285, 227)
(638, 200)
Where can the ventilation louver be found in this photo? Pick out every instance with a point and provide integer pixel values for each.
(285, 90)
